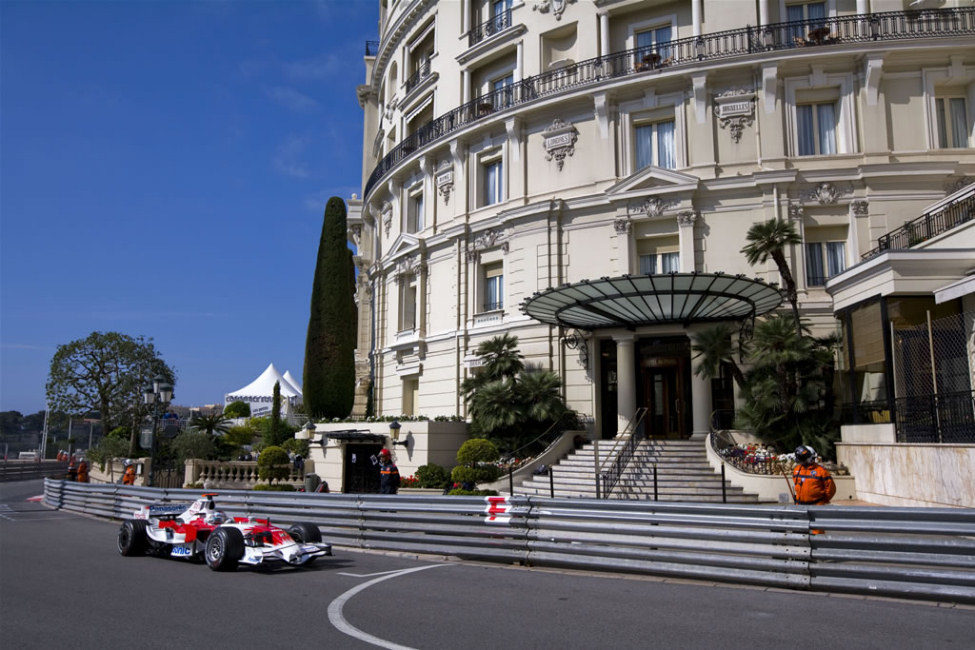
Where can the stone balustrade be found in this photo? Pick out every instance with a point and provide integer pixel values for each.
(237, 474)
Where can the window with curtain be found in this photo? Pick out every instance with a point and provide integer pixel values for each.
(493, 287)
(824, 260)
(952, 119)
(659, 263)
(492, 182)
(655, 145)
(407, 305)
(809, 11)
(499, 14)
(816, 129)
(414, 217)
(655, 40)
(503, 89)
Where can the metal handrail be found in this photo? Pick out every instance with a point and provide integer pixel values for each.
(489, 27)
(859, 28)
(422, 72)
(624, 448)
(928, 225)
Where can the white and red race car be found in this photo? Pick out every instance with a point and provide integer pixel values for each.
(203, 531)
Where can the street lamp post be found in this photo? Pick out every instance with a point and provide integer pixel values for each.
(156, 397)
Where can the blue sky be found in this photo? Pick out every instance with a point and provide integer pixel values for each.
(163, 171)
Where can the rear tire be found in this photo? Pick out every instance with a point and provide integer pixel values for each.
(224, 548)
(305, 533)
(132, 539)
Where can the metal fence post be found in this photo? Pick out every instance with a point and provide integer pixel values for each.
(595, 460)
(511, 480)
(724, 488)
(551, 482)
(655, 495)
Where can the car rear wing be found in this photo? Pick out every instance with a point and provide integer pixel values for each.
(163, 510)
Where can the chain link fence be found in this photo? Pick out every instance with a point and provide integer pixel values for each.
(934, 380)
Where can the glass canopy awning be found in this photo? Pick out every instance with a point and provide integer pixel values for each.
(633, 300)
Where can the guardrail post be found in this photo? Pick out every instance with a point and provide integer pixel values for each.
(655, 495)
(551, 482)
(595, 457)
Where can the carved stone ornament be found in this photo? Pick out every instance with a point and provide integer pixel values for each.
(445, 180)
(735, 109)
(622, 225)
(826, 193)
(858, 208)
(952, 185)
(486, 240)
(654, 206)
(410, 266)
(387, 212)
(796, 211)
(560, 141)
(555, 6)
(355, 233)
(686, 218)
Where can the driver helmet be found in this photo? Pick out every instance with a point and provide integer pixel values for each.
(805, 454)
(215, 518)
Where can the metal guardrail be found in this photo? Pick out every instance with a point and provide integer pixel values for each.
(928, 225)
(692, 51)
(906, 552)
(25, 470)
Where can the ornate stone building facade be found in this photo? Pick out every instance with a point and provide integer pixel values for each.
(509, 147)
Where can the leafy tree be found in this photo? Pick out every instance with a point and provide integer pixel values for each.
(432, 475)
(237, 409)
(210, 423)
(297, 447)
(108, 448)
(713, 348)
(269, 438)
(276, 437)
(474, 458)
(192, 444)
(240, 436)
(105, 372)
(771, 239)
(10, 422)
(273, 463)
(329, 377)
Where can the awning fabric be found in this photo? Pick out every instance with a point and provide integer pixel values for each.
(633, 300)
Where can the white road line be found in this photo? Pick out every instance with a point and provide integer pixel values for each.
(335, 609)
(369, 575)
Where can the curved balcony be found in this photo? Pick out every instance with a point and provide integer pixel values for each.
(686, 52)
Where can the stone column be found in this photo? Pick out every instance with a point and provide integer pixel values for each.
(604, 34)
(685, 223)
(863, 6)
(763, 12)
(696, 17)
(625, 381)
(465, 86)
(700, 404)
(519, 62)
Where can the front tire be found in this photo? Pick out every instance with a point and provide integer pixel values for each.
(305, 533)
(132, 539)
(224, 548)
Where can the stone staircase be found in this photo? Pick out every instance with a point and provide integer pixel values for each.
(683, 474)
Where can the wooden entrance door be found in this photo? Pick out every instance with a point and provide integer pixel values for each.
(361, 467)
(664, 401)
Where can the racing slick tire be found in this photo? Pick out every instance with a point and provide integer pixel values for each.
(305, 533)
(132, 537)
(224, 548)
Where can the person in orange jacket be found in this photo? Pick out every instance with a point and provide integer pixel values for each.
(128, 478)
(83, 471)
(72, 470)
(814, 486)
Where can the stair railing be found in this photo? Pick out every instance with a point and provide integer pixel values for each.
(622, 452)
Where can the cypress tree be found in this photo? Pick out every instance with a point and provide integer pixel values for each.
(276, 415)
(329, 375)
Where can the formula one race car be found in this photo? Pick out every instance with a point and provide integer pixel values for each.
(202, 531)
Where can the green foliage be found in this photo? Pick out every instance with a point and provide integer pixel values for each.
(120, 433)
(771, 239)
(510, 403)
(273, 463)
(329, 379)
(275, 436)
(237, 409)
(268, 435)
(459, 492)
(108, 448)
(477, 451)
(297, 447)
(431, 475)
(240, 436)
(211, 423)
(279, 487)
(480, 474)
(714, 348)
(105, 372)
(193, 444)
(788, 390)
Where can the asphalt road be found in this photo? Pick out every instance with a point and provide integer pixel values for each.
(63, 584)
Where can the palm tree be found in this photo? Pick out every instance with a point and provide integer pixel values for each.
(714, 347)
(492, 408)
(541, 394)
(770, 239)
(501, 357)
(210, 424)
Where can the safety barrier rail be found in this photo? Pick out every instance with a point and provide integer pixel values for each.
(24, 470)
(907, 552)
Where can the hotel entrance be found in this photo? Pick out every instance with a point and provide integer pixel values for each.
(665, 366)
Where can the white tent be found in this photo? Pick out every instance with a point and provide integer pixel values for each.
(260, 392)
(294, 382)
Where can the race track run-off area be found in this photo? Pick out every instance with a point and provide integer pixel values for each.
(64, 584)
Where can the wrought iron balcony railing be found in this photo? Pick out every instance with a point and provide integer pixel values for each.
(489, 27)
(822, 32)
(928, 225)
(414, 79)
